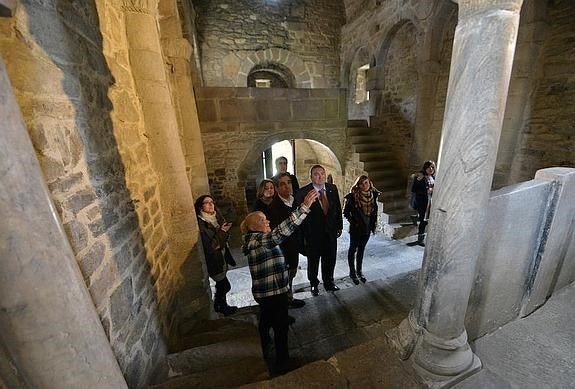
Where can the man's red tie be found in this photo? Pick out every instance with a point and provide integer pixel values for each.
(323, 201)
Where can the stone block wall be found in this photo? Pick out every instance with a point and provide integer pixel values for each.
(389, 35)
(238, 124)
(236, 35)
(70, 69)
(547, 131)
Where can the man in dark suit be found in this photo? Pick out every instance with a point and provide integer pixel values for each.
(320, 230)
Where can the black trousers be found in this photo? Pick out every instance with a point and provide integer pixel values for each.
(222, 288)
(422, 222)
(327, 255)
(357, 242)
(274, 314)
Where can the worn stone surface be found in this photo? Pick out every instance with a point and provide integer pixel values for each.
(509, 356)
(508, 251)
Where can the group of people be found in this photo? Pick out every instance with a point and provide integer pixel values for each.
(287, 220)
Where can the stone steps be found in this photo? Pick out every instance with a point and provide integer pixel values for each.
(357, 123)
(380, 163)
(217, 353)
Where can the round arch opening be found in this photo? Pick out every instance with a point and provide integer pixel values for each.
(270, 75)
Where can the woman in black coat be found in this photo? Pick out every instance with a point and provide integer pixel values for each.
(422, 189)
(215, 234)
(360, 210)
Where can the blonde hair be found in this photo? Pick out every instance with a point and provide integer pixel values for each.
(249, 221)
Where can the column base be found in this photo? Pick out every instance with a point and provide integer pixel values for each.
(437, 362)
(443, 362)
(436, 381)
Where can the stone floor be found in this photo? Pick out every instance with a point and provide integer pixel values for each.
(338, 338)
(384, 258)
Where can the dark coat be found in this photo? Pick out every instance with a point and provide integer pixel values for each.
(279, 211)
(213, 241)
(353, 213)
(317, 227)
(419, 189)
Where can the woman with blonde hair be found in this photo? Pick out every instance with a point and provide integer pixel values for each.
(269, 272)
(360, 210)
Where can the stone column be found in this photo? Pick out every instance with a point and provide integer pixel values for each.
(482, 57)
(167, 158)
(49, 328)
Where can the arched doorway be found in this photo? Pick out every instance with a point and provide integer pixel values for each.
(270, 75)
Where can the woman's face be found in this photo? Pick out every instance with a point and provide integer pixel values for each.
(262, 223)
(208, 205)
(364, 185)
(430, 170)
(269, 190)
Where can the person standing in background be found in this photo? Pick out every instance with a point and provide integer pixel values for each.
(360, 210)
(215, 233)
(281, 167)
(281, 208)
(422, 189)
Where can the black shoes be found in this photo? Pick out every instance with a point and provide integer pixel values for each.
(296, 303)
(355, 280)
(331, 288)
(226, 310)
(362, 278)
(314, 291)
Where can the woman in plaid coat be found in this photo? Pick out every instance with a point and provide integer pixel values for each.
(268, 268)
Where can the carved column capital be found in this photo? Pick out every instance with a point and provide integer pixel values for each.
(141, 6)
(468, 8)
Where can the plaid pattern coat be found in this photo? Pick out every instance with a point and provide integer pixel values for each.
(268, 267)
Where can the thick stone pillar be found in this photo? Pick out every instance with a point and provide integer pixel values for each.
(49, 328)
(481, 64)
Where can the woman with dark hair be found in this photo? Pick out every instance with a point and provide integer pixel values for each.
(265, 196)
(360, 210)
(215, 232)
(422, 190)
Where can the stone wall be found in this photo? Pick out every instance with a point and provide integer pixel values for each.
(547, 131)
(238, 124)
(71, 72)
(236, 35)
(389, 34)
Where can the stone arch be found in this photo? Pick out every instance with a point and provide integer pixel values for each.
(389, 37)
(245, 168)
(279, 75)
(357, 110)
(293, 62)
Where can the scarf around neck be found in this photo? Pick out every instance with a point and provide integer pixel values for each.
(364, 201)
(212, 219)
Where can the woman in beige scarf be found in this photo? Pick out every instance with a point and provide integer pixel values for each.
(360, 210)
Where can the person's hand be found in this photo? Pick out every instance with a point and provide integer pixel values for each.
(226, 227)
(339, 233)
(310, 198)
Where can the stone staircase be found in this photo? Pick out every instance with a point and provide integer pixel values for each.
(382, 167)
(218, 353)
